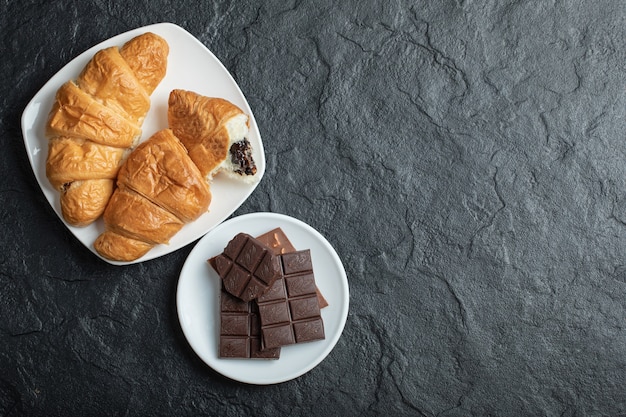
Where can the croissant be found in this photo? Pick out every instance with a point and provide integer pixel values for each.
(159, 190)
(95, 121)
(214, 132)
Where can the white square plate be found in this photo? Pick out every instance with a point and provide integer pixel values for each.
(191, 66)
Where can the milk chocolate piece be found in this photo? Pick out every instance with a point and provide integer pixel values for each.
(277, 240)
(240, 330)
(290, 311)
(247, 267)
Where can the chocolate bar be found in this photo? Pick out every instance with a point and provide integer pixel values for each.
(240, 330)
(247, 267)
(289, 311)
(277, 240)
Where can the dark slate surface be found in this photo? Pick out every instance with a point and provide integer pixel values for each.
(466, 159)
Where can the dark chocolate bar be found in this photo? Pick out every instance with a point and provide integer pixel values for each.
(277, 240)
(289, 310)
(240, 330)
(247, 267)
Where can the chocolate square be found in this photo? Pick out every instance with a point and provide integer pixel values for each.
(309, 330)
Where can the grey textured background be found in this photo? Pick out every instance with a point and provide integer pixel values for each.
(465, 158)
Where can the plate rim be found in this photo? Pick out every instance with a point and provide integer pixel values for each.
(31, 113)
(277, 218)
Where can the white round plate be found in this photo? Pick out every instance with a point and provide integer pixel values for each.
(198, 297)
(190, 66)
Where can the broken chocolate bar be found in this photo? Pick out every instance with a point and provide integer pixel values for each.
(247, 267)
(289, 310)
(277, 240)
(240, 330)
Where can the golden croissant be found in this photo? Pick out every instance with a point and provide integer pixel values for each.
(96, 120)
(214, 131)
(159, 190)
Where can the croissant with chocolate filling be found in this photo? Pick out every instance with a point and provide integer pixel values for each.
(214, 132)
(159, 190)
(96, 119)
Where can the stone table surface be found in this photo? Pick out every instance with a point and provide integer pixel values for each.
(466, 159)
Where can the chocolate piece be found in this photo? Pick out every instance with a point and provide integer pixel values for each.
(247, 267)
(277, 240)
(290, 311)
(240, 330)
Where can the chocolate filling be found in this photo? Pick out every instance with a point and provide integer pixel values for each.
(241, 156)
